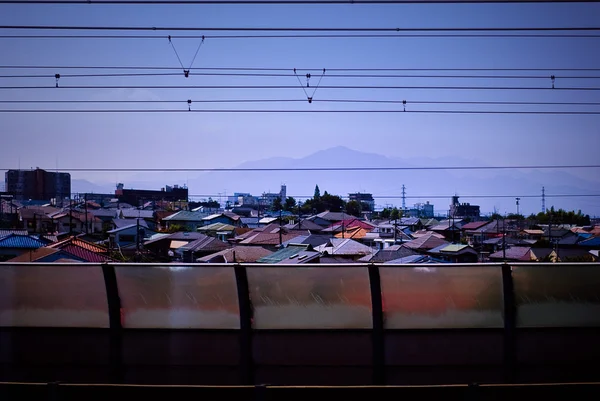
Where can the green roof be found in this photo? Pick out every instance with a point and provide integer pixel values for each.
(284, 253)
(454, 248)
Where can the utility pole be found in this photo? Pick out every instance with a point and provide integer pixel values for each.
(86, 213)
(543, 200)
(137, 240)
(504, 239)
(280, 229)
(70, 217)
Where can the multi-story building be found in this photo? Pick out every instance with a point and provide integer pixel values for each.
(463, 210)
(38, 184)
(363, 199)
(136, 197)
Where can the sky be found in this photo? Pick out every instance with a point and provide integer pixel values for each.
(221, 140)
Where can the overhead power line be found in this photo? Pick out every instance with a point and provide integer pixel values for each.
(407, 102)
(276, 111)
(300, 29)
(408, 168)
(431, 196)
(178, 68)
(291, 74)
(314, 36)
(528, 88)
(272, 2)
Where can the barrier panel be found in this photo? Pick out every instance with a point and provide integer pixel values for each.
(299, 324)
(558, 321)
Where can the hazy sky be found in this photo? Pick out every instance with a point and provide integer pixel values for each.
(228, 139)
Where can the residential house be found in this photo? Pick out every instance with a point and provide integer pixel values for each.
(84, 250)
(386, 234)
(221, 231)
(76, 222)
(472, 232)
(310, 239)
(14, 245)
(37, 219)
(304, 225)
(450, 229)
(129, 236)
(185, 219)
(237, 254)
(46, 255)
(164, 246)
(292, 254)
(345, 248)
(455, 253)
(134, 214)
(513, 254)
(201, 247)
(393, 252)
(426, 242)
(271, 236)
(224, 218)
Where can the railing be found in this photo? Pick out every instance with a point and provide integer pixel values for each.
(328, 324)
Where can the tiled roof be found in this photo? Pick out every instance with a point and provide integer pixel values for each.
(105, 213)
(453, 248)
(474, 225)
(409, 259)
(391, 253)
(426, 242)
(20, 242)
(513, 253)
(134, 213)
(267, 238)
(4, 233)
(79, 243)
(304, 225)
(241, 254)
(85, 253)
(595, 241)
(292, 254)
(35, 255)
(334, 216)
(178, 236)
(217, 227)
(186, 215)
(122, 223)
(353, 232)
(348, 247)
(205, 244)
(312, 240)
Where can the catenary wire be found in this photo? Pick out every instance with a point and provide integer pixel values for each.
(275, 75)
(300, 29)
(313, 36)
(514, 88)
(263, 111)
(264, 2)
(408, 102)
(407, 168)
(287, 69)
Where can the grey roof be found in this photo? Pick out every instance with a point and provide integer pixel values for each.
(121, 223)
(409, 221)
(313, 240)
(4, 233)
(241, 254)
(341, 246)
(387, 254)
(185, 215)
(104, 213)
(205, 244)
(304, 225)
(134, 213)
(178, 236)
(409, 259)
(335, 216)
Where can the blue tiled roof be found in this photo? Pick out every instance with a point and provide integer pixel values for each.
(20, 242)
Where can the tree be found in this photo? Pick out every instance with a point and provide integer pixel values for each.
(277, 205)
(353, 208)
(290, 204)
(395, 214)
(317, 194)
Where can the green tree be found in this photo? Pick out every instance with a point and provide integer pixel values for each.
(353, 208)
(317, 194)
(290, 204)
(277, 206)
(395, 214)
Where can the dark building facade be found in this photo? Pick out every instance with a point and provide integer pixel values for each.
(136, 197)
(38, 184)
(463, 210)
(363, 199)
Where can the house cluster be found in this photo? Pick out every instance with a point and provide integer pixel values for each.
(89, 232)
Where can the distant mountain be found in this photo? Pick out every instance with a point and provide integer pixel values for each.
(81, 186)
(435, 186)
